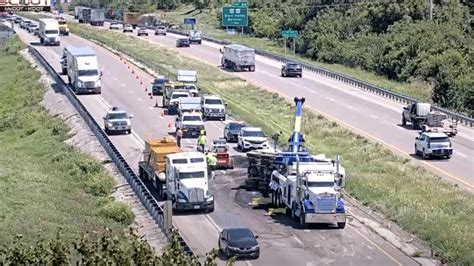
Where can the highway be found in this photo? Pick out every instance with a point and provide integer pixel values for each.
(367, 114)
(281, 240)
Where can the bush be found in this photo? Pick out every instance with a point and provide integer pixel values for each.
(117, 211)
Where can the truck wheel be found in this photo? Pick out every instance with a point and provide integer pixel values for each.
(302, 220)
(341, 225)
(107, 131)
(424, 155)
(404, 121)
(416, 151)
(252, 69)
(414, 124)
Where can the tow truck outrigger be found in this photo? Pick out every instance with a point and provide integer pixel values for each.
(307, 186)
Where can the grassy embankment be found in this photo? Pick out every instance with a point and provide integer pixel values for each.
(45, 184)
(417, 200)
(208, 22)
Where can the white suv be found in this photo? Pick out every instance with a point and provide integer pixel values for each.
(117, 121)
(252, 138)
(213, 107)
(433, 144)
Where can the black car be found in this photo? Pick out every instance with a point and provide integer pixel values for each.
(238, 242)
(291, 70)
(158, 85)
(232, 130)
(183, 42)
(18, 20)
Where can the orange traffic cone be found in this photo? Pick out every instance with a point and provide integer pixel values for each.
(133, 71)
(128, 66)
(136, 77)
(146, 89)
(151, 95)
(162, 114)
(169, 124)
(141, 82)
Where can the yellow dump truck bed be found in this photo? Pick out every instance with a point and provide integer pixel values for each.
(156, 151)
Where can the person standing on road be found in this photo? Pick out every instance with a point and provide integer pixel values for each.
(179, 136)
(275, 138)
(211, 164)
(202, 142)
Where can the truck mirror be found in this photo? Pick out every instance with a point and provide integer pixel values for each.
(130, 116)
(225, 104)
(103, 117)
(101, 73)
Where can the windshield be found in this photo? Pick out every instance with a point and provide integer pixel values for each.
(51, 32)
(236, 234)
(439, 140)
(160, 81)
(62, 22)
(88, 73)
(253, 134)
(294, 65)
(118, 116)
(191, 175)
(176, 95)
(192, 118)
(236, 126)
(142, 28)
(161, 28)
(320, 184)
(213, 101)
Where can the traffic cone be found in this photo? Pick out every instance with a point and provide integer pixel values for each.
(141, 82)
(128, 66)
(162, 113)
(169, 124)
(133, 71)
(146, 89)
(151, 95)
(136, 77)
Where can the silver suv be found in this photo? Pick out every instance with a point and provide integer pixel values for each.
(433, 144)
(117, 121)
(160, 30)
(213, 107)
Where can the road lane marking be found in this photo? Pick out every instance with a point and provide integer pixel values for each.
(330, 99)
(374, 117)
(123, 85)
(460, 153)
(140, 99)
(377, 246)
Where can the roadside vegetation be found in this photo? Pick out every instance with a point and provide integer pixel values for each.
(420, 202)
(392, 45)
(45, 184)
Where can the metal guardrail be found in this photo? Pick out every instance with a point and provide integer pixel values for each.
(135, 182)
(462, 119)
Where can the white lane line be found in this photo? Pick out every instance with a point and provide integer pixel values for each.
(123, 85)
(140, 99)
(116, 79)
(149, 107)
(330, 99)
(374, 117)
(350, 107)
(130, 92)
(298, 240)
(459, 153)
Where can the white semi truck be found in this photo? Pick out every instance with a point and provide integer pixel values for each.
(238, 57)
(310, 191)
(82, 68)
(48, 31)
(97, 17)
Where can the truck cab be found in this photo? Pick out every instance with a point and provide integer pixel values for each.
(433, 144)
(416, 114)
(49, 31)
(191, 123)
(187, 181)
(63, 28)
(318, 200)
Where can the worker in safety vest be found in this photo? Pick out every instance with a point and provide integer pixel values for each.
(179, 136)
(211, 163)
(202, 142)
(202, 132)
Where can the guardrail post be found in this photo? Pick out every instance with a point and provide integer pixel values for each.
(168, 216)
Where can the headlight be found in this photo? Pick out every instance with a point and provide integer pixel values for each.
(209, 196)
(129, 123)
(109, 124)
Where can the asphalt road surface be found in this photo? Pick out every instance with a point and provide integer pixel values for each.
(370, 115)
(282, 241)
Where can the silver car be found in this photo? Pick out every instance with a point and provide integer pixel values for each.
(117, 121)
(160, 30)
(142, 31)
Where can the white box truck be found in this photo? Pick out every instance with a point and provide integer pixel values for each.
(49, 31)
(238, 57)
(82, 68)
(97, 17)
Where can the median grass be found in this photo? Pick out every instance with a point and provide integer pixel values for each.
(420, 202)
(207, 21)
(45, 184)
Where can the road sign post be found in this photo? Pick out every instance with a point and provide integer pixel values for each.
(287, 34)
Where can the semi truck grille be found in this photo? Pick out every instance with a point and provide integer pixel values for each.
(325, 204)
(256, 141)
(196, 195)
(120, 123)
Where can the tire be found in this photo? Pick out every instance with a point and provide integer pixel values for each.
(129, 132)
(107, 131)
(341, 225)
(416, 151)
(414, 124)
(293, 214)
(303, 221)
(404, 122)
(424, 155)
